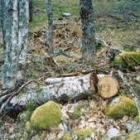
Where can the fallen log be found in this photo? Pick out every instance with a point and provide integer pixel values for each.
(108, 87)
(63, 89)
(59, 89)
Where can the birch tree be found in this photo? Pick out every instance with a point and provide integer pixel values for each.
(15, 29)
(88, 28)
(49, 32)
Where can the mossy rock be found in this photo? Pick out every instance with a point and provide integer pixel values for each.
(126, 60)
(134, 136)
(124, 106)
(81, 134)
(46, 116)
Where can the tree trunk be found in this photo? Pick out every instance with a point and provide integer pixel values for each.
(2, 20)
(63, 89)
(60, 89)
(49, 32)
(88, 27)
(30, 10)
(22, 37)
(10, 30)
(15, 29)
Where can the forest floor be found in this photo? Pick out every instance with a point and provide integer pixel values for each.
(67, 41)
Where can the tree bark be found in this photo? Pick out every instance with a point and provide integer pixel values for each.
(49, 31)
(88, 28)
(63, 89)
(23, 16)
(10, 30)
(30, 10)
(2, 20)
(60, 89)
(15, 29)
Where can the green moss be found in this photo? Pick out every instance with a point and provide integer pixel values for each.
(125, 106)
(28, 126)
(84, 133)
(81, 134)
(76, 114)
(46, 116)
(136, 119)
(24, 116)
(126, 60)
(134, 136)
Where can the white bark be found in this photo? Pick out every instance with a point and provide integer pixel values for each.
(9, 68)
(60, 89)
(22, 36)
(15, 30)
(23, 29)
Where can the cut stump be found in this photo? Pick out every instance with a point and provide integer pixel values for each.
(108, 87)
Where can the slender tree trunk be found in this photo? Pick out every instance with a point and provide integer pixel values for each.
(88, 27)
(30, 10)
(15, 29)
(49, 32)
(22, 37)
(2, 20)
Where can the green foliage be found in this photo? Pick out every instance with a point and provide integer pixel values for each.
(81, 134)
(125, 106)
(126, 60)
(46, 116)
(24, 116)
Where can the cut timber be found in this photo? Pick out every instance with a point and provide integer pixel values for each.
(108, 87)
(64, 89)
(59, 89)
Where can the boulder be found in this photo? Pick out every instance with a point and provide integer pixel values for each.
(46, 116)
(120, 107)
(126, 60)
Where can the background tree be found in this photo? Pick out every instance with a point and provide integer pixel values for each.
(30, 10)
(15, 28)
(88, 27)
(49, 32)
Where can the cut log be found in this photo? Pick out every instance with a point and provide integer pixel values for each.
(66, 89)
(59, 89)
(108, 87)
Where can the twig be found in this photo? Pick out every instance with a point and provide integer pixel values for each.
(15, 93)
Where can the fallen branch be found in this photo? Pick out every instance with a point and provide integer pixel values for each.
(9, 96)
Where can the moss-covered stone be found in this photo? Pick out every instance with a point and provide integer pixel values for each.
(81, 134)
(46, 116)
(134, 136)
(124, 106)
(126, 60)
